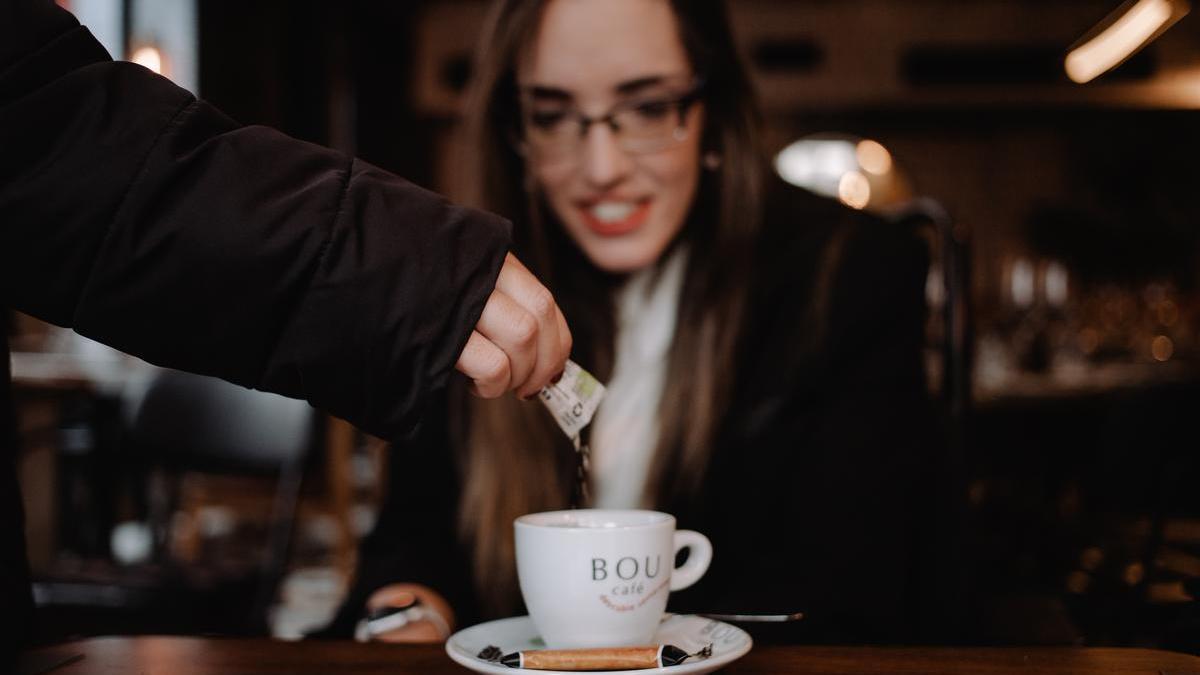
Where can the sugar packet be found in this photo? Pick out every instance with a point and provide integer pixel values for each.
(573, 401)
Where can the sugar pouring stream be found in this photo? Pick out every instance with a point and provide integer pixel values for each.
(573, 401)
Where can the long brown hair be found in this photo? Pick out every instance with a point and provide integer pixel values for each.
(515, 459)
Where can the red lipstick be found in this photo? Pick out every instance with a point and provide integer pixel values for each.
(616, 228)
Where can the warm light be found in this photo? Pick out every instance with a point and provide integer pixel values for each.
(1119, 41)
(1021, 285)
(1134, 574)
(860, 173)
(935, 287)
(1164, 592)
(854, 190)
(1056, 286)
(816, 164)
(1161, 348)
(873, 157)
(149, 57)
(1077, 581)
(1091, 558)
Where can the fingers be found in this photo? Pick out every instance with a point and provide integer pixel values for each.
(521, 341)
(519, 284)
(420, 632)
(433, 629)
(486, 365)
(565, 341)
(514, 330)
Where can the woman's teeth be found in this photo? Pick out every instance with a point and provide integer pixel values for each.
(612, 212)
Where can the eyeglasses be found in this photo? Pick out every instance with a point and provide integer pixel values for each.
(641, 125)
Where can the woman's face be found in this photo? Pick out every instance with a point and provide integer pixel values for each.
(622, 195)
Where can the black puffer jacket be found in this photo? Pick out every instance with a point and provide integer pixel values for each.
(147, 220)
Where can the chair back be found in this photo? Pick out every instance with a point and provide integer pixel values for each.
(190, 422)
(951, 254)
(948, 293)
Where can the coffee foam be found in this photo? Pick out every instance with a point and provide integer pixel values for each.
(589, 519)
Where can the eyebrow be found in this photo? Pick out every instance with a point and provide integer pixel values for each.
(626, 88)
(634, 86)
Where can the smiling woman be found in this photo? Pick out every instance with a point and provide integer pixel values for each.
(621, 200)
(760, 346)
(647, 120)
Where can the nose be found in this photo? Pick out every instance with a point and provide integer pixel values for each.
(604, 162)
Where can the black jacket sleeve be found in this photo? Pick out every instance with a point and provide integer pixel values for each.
(147, 220)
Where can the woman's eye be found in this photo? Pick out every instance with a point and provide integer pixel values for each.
(653, 110)
(547, 120)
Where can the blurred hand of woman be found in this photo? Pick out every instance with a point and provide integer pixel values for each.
(434, 629)
(521, 341)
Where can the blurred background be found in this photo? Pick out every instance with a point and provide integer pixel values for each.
(1063, 339)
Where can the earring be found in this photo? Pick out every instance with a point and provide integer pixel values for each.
(711, 160)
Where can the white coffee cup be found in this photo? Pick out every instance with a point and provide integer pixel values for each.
(599, 577)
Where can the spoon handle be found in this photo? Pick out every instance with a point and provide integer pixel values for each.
(756, 618)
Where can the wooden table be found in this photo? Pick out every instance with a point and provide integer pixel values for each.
(198, 656)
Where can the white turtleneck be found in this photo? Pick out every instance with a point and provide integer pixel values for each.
(624, 431)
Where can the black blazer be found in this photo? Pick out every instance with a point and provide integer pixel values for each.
(148, 220)
(823, 490)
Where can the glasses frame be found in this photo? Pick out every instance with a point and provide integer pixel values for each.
(682, 103)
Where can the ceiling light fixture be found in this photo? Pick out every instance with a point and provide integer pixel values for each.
(1120, 35)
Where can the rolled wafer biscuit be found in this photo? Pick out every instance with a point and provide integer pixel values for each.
(608, 658)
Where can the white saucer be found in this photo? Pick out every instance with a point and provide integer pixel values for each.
(686, 631)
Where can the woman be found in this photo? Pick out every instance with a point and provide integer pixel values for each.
(761, 346)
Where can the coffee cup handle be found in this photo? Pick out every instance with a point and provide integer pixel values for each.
(698, 559)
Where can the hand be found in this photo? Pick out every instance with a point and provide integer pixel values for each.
(521, 341)
(399, 595)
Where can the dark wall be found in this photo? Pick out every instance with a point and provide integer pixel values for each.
(327, 72)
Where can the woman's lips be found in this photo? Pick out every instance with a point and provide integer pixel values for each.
(612, 219)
